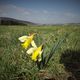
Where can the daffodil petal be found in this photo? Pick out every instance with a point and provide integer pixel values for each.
(40, 52)
(39, 57)
(23, 38)
(33, 44)
(31, 50)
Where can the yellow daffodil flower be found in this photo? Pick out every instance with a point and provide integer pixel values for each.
(26, 40)
(36, 55)
(35, 51)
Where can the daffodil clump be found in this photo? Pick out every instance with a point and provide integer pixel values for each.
(34, 51)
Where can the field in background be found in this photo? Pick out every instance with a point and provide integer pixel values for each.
(14, 65)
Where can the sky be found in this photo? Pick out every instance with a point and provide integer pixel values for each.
(42, 11)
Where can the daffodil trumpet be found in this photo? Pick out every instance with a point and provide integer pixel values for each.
(37, 54)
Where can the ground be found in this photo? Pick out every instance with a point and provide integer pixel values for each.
(16, 65)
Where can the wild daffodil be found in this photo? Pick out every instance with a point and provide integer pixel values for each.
(26, 40)
(35, 52)
(36, 55)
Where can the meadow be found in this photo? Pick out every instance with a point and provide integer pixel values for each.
(16, 65)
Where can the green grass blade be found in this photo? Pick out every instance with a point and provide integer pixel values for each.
(54, 48)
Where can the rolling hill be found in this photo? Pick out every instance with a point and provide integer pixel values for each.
(12, 21)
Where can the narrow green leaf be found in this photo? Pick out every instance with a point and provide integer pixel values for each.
(54, 48)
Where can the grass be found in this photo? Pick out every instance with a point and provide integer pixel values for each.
(16, 65)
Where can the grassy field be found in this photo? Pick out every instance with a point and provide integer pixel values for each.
(16, 65)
